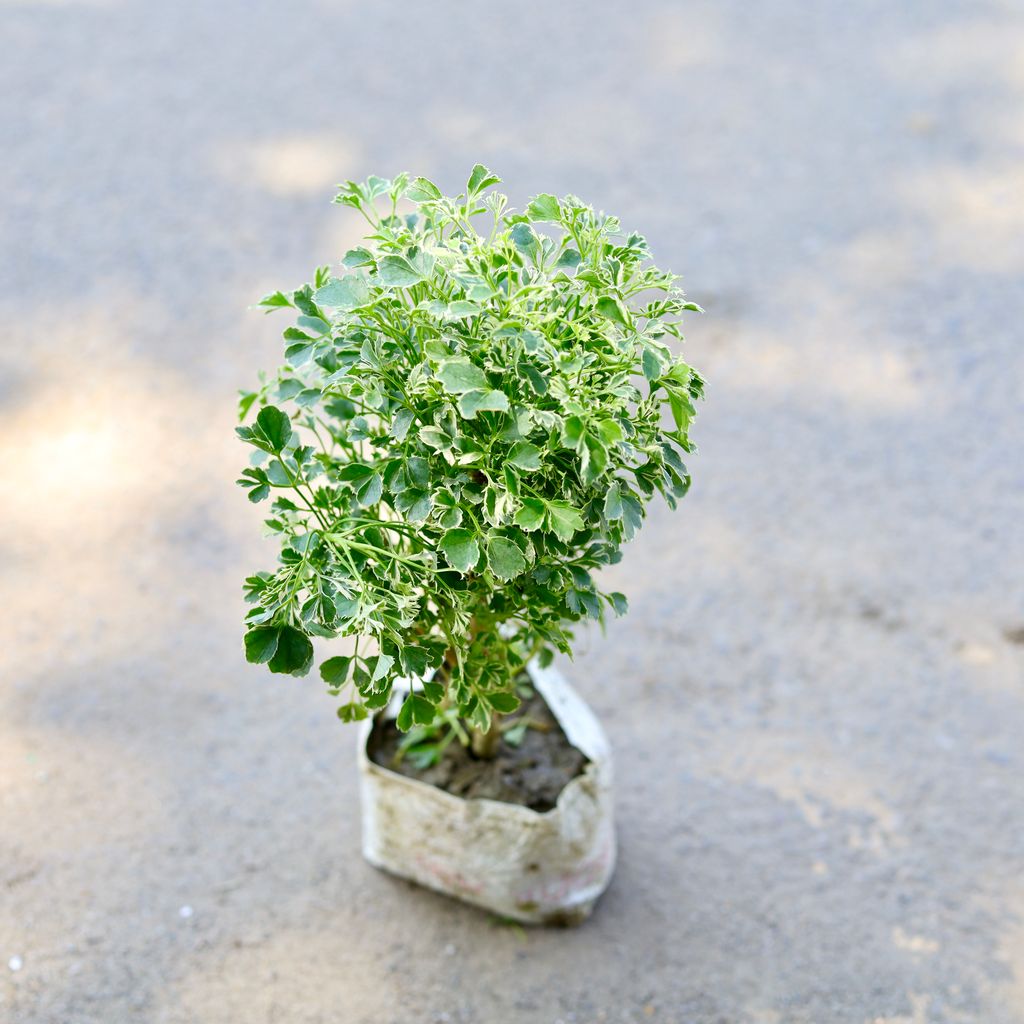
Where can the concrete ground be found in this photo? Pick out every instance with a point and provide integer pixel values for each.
(816, 701)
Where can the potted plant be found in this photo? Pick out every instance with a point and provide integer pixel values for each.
(474, 411)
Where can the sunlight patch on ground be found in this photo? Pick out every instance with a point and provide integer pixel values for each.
(868, 378)
(91, 444)
(919, 944)
(985, 48)
(828, 790)
(977, 216)
(918, 1011)
(877, 256)
(105, 460)
(991, 668)
(297, 165)
(679, 40)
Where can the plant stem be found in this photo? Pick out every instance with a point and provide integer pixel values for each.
(485, 744)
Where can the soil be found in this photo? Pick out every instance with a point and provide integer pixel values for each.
(531, 773)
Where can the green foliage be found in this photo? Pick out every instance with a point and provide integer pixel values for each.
(468, 423)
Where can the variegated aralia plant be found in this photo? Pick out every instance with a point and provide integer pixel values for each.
(474, 410)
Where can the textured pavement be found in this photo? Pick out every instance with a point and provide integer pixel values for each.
(817, 701)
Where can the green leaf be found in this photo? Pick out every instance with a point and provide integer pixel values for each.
(278, 474)
(531, 516)
(376, 701)
(294, 653)
(397, 272)
(458, 376)
(257, 481)
(404, 719)
(434, 437)
(423, 711)
(537, 381)
(573, 433)
(612, 307)
(682, 409)
(479, 179)
(434, 692)
(679, 375)
(276, 300)
(401, 423)
(461, 309)
(504, 558)
(422, 190)
(346, 293)
(613, 503)
(419, 471)
(632, 514)
(382, 665)
(596, 461)
(358, 429)
(423, 263)
(415, 710)
(504, 703)
(523, 238)
(276, 427)
(651, 365)
(300, 353)
(525, 456)
(450, 518)
(435, 348)
(461, 549)
(315, 324)
(352, 712)
(544, 207)
(569, 259)
(355, 471)
(564, 520)
(336, 670)
(260, 644)
(583, 602)
(245, 401)
(358, 257)
(419, 508)
(482, 401)
(415, 661)
(370, 490)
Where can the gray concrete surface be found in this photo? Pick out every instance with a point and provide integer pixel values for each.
(816, 701)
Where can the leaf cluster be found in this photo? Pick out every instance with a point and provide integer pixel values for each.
(473, 414)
